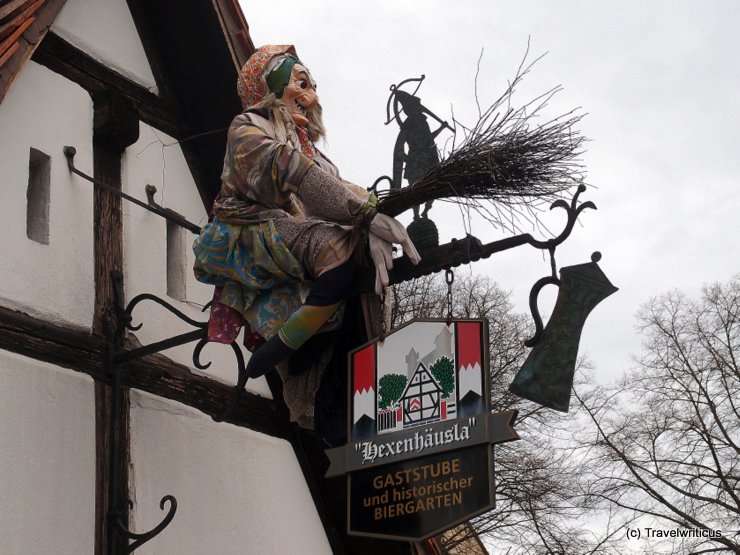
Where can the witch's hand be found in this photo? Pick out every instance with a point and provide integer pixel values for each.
(391, 230)
(381, 252)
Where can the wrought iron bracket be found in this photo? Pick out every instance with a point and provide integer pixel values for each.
(117, 357)
(199, 334)
(471, 249)
(140, 539)
(116, 521)
(166, 213)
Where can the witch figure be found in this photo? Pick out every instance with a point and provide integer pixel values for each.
(287, 232)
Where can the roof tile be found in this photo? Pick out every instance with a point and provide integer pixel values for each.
(22, 24)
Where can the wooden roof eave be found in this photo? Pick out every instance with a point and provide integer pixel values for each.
(236, 30)
(195, 56)
(23, 25)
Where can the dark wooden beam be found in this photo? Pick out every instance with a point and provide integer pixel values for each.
(115, 127)
(111, 114)
(115, 121)
(156, 374)
(38, 339)
(103, 404)
(103, 441)
(67, 60)
(159, 375)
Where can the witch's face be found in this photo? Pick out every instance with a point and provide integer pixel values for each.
(299, 95)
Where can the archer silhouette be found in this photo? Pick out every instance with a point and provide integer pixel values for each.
(415, 152)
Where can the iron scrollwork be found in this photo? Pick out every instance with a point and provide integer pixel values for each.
(119, 356)
(200, 335)
(471, 249)
(140, 539)
(573, 210)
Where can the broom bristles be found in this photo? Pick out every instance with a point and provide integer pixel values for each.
(505, 168)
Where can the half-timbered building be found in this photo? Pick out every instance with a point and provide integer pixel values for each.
(135, 95)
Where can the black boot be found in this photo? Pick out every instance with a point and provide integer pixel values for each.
(267, 356)
(311, 352)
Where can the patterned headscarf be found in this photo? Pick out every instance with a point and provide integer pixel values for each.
(252, 84)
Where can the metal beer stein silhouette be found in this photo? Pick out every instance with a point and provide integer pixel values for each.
(547, 375)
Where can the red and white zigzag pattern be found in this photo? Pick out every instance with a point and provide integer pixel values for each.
(470, 379)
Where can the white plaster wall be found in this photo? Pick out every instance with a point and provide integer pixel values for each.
(45, 111)
(47, 459)
(238, 491)
(157, 159)
(105, 30)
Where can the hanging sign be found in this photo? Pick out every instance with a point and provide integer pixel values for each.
(419, 458)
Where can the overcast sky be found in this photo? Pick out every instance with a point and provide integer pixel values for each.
(659, 82)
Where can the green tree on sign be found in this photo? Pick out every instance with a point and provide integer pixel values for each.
(390, 388)
(444, 372)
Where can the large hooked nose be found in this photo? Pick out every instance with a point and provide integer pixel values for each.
(307, 98)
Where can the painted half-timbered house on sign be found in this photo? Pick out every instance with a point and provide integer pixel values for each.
(421, 400)
(422, 374)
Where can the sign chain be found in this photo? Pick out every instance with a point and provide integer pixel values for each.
(449, 279)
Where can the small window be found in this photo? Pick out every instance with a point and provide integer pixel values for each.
(37, 196)
(176, 263)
